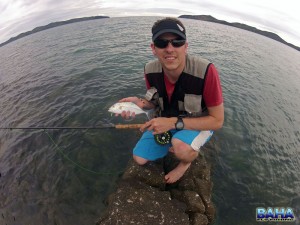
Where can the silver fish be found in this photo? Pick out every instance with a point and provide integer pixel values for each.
(119, 107)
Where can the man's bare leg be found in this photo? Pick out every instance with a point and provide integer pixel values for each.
(177, 173)
(171, 149)
(139, 160)
(186, 155)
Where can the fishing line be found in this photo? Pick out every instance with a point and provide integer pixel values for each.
(162, 139)
(75, 163)
(59, 150)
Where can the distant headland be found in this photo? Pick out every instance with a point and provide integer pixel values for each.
(207, 18)
(51, 25)
(271, 35)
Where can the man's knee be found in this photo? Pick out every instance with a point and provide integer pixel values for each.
(184, 151)
(186, 155)
(139, 160)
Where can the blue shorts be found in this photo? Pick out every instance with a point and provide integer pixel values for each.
(147, 147)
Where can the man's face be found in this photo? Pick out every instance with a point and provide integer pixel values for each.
(172, 58)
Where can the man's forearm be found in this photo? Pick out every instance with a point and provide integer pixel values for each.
(213, 121)
(202, 123)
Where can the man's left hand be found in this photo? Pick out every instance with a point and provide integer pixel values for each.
(159, 125)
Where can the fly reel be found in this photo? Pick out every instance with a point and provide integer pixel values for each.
(164, 138)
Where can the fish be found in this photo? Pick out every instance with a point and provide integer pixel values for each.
(119, 107)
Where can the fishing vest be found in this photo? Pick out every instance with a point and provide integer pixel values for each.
(187, 96)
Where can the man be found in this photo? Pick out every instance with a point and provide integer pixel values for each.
(186, 93)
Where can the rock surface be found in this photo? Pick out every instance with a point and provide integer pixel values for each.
(142, 196)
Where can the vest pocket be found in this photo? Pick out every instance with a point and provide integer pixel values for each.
(192, 103)
(150, 94)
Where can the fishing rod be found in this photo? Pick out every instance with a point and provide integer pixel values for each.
(105, 126)
(60, 150)
(161, 139)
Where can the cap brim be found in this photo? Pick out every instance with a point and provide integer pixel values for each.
(182, 35)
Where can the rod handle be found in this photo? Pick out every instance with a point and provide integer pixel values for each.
(128, 126)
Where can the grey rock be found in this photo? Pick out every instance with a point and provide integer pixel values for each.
(143, 197)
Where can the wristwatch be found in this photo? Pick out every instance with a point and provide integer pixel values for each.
(179, 125)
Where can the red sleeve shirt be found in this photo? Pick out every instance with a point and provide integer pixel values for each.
(212, 93)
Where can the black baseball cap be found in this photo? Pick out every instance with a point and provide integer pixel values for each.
(168, 26)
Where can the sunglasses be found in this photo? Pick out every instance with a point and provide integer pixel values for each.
(162, 43)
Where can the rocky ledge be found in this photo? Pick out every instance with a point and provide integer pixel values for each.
(142, 196)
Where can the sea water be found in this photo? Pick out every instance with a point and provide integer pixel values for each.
(70, 75)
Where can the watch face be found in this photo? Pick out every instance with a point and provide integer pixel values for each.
(179, 125)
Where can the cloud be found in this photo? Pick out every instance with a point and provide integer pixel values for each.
(17, 16)
(20, 16)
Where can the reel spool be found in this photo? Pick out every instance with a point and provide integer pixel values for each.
(164, 138)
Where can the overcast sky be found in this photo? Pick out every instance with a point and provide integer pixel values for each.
(280, 17)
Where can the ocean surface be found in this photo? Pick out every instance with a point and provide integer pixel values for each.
(70, 75)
